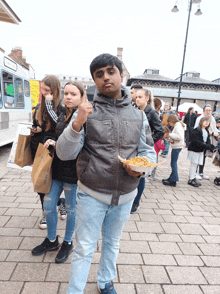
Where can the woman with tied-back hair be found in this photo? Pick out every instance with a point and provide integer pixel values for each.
(145, 102)
(176, 138)
(64, 178)
(44, 124)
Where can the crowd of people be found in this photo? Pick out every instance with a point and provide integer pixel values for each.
(101, 192)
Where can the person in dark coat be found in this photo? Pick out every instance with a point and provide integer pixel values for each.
(189, 121)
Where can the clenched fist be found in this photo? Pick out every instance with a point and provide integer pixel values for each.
(84, 109)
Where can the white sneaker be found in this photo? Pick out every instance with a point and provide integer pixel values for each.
(205, 177)
(43, 222)
(198, 177)
(62, 211)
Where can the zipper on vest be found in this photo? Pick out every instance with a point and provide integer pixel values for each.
(117, 150)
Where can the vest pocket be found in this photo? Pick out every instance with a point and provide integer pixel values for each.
(100, 132)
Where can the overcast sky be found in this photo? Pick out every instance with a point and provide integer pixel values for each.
(62, 37)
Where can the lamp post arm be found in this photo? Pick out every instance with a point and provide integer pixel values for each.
(184, 53)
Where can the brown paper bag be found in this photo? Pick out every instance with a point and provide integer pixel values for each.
(216, 160)
(23, 151)
(42, 173)
(164, 120)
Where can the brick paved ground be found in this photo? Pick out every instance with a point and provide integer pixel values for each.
(170, 246)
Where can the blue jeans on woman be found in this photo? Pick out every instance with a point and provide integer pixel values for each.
(174, 157)
(92, 216)
(50, 208)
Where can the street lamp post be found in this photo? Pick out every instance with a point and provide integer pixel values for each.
(175, 9)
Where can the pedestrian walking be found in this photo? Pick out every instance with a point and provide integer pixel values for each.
(106, 187)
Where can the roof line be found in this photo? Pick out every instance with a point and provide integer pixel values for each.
(6, 4)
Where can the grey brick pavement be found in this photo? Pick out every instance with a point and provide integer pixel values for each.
(170, 246)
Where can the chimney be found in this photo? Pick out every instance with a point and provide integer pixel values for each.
(2, 50)
(119, 53)
(17, 51)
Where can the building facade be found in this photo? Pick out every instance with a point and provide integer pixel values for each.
(193, 88)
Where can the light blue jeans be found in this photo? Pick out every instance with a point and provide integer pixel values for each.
(92, 216)
(167, 146)
(50, 208)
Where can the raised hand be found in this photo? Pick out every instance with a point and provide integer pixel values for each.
(49, 97)
(84, 109)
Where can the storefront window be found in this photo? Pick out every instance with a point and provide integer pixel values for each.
(13, 91)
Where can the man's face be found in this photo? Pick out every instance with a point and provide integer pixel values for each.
(207, 111)
(133, 95)
(108, 81)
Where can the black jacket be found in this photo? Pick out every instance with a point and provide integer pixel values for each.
(197, 144)
(190, 120)
(43, 136)
(64, 171)
(154, 122)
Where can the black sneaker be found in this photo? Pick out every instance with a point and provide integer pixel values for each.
(135, 207)
(193, 183)
(47, 245)
(64, 252)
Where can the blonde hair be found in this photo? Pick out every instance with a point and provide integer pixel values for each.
(148, 93)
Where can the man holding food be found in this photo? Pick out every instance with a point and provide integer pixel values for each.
(97, 134)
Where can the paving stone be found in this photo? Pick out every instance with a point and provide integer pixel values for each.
(201, 213)
(212, 229)
(155, 275)
(10, 242)
(34, 232)
(175, 289)
(129, 258)
(212, 274)
(7, 198)
(193, 229)
(134, 246)
(171, 228)
(3, 255)
(149, 227)
(4, 220)
(212, 239)
(10, 287)
(169, 238)
(30, 272)
(151, 218)
(164, 248)
(181, 212)
(130, 227)
(211, 289)
(210, 249)
(159, 259)
(19, 211)
(23, 256)
(21, 222)
(130, 274)
(148, 289)
(143, 237)
(163, 211)
(211, 260)
(40, 288)
(192, 238)
(196, 220)
(122, 289)
(10, 231)
(185, 275)
(188, 260)
(3, 210)
(6, 269)
(189, 249)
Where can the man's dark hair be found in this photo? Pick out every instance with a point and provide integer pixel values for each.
(136, 87)
(104, 60)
